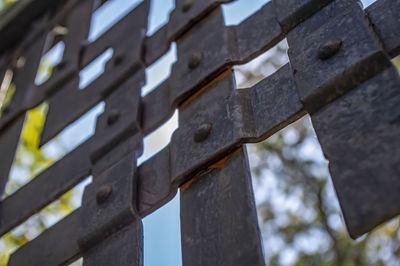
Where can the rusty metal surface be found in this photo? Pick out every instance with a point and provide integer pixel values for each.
(339, 62)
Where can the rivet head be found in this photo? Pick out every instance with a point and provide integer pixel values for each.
(113, 117)
(195, 60)
(104, 193)
(118, 59)
(202, 132)
(187, 5)
(330, 48)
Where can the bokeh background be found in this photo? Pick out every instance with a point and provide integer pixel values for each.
(298, 212)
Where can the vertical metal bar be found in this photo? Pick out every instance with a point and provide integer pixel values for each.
(125, 248)
(218, 216)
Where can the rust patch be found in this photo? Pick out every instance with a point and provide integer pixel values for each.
(219, 164)
(186, 185)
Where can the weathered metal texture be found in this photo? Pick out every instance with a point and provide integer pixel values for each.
(261, 26)
(157, 107)
(156, 46)
(338, 56)
(154, 183)
(289, 13)
(234, 122)
(108, 203)
(9, 139)
(45, 188)
(314, 22)
(126, 38)
(218, 216)
(360, 135)
(14, 22)
(385, 20)
(124, 248)
(187, 13)
(202, 56)
(55, 246)
(121, 117)
(242, 117)
(275, 103)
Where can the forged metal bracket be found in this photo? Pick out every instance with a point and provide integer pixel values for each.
(202, 134)
(109, 203)
(340, 55)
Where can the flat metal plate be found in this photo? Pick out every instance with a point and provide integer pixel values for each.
(360, 136)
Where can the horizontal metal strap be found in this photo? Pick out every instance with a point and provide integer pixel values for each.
(57, 245)
(45, 188)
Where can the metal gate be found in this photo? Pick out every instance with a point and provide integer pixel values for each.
(340, 72)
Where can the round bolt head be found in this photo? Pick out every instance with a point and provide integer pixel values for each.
(195, 60)
(104, 193)
(202, 132)
(113, 117)
(118, 59)
(187, 5)
(330, 48)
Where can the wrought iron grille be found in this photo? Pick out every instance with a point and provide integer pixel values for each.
(340, 72)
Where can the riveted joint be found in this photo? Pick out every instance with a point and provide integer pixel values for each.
(330, 48)
(104, 193)
(187, 5)
(202, 132)
(113, 117)
(195, 60)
